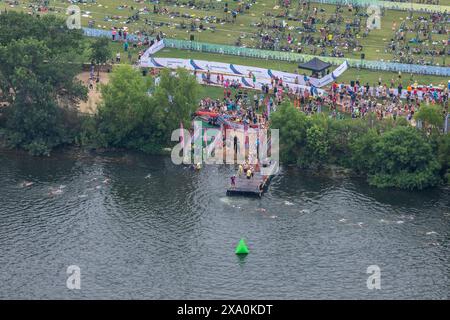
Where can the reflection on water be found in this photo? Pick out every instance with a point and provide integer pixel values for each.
(141, 227)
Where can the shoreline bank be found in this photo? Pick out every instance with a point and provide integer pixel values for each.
(327, 171)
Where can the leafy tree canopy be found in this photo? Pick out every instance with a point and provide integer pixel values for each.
(37, 80)
(390, 153)
(431, 116)
(130, 117)
(100, 50)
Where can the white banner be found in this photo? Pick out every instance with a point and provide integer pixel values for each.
(158, 45)
(261, 74)
(248, 84)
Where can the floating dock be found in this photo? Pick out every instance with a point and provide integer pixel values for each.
(254, 186)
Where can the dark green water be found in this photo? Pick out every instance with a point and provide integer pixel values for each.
(141, 227)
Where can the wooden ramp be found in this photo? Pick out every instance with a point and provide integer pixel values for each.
(251, 187)
(254, 186)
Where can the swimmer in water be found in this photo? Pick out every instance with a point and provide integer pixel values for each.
(55, 192)
(26, 184)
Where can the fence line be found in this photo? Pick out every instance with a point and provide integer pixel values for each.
(284, 56)
(402, 6)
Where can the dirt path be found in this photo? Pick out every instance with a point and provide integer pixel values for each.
(94, 95)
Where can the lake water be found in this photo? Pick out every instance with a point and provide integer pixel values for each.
(140, 227)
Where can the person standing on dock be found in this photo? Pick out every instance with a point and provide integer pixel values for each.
(233, 181)
(257, 147)
(249, 173)
(241, 170)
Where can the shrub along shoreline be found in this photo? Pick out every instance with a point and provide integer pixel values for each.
(388, 153)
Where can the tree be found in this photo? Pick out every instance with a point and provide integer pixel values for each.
(100, 52)
(391, 154)
(341, 135)
(403, 158)
(49, 29)
(124, 108)
(175, 99)
(431, 116)
(130, 118)
(443, 156)
(293, 126)
(363, 151)
(37, 82)
(316, 145)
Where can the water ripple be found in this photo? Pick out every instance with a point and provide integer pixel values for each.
(141, 227)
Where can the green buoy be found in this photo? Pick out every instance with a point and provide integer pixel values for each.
(241, 247)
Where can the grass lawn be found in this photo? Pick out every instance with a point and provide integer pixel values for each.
(374, 43)
(108, 13)
(212, 92)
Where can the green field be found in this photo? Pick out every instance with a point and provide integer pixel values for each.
(108, 13)
(374, 44)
